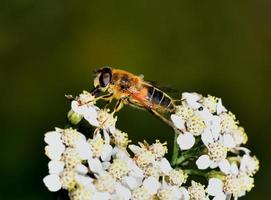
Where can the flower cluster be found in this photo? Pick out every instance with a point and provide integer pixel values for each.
(105, 165)
(204, 125)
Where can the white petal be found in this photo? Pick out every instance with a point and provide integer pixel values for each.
(95, 165)
(112, 129)
(215, 126)
(177, 121)
(215, 187)
(247, 164)
(220, 108)
(92, 119)
(78, 109)
(81, 169)
(207, 137)
(185, 141)
(91, 115)
(52, 182)
(135, 149)
(213, 165)
(165, 166)
(107, 152)
(101, 196)
(234, 169)
(203, 162)
(106, 165)
(56, 167)
(206, 115)
(152, 184)
(131, 182)
(54, 152)
(123, 192)
(53, 138)
(224, 166)
(185, 193)
(191, 99)
(84, 150)
(220, 196)
(228, 141)
(83, 180)
(106, 137)
(136, 171)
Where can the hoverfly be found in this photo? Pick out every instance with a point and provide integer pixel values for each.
(131, 89)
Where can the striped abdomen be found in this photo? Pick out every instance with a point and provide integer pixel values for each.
(157, 97)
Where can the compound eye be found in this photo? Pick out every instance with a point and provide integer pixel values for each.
(105, 79)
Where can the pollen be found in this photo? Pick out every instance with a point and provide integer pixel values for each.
(165, 194)
(80, 193)
(86, 97)
(152, 171)
(71, 136)
(71, 157)
(217, 151)
(239, 135)
(211, 103)
(68, 179)
(105, 183)
(247, 182)
(177, 177)
(106, 119)
(144, 158)
(141, 193)
(97, 146)
(196, 191)
(158, 149)
(254, 166)
(228, 122)
(121, 139)
(118, 168)
(195, 125)
(184, 111)
(233, 186)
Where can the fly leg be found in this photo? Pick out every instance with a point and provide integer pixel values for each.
(106, 97)
(118, 105)
(165, 120)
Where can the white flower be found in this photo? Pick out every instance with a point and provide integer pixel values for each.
(55, 147)
(178, 122)
(101, 167)
(152, 184)
(56, 167)
(54, 152)
(249, 164)
(53, 138)
(215, 188)
(95, 165)
(168, 192)
(165, 166)
(192, 99)
(52, 182)
(197, 191)
(217, 154)
(185, 141)
(121, 192)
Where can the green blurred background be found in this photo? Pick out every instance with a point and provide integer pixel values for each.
(50, 48)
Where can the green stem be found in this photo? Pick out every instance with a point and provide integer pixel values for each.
(184, 157)
(188, 154)
(196, 172)
(175, 150)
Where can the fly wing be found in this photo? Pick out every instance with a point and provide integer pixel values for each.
(164, 88)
